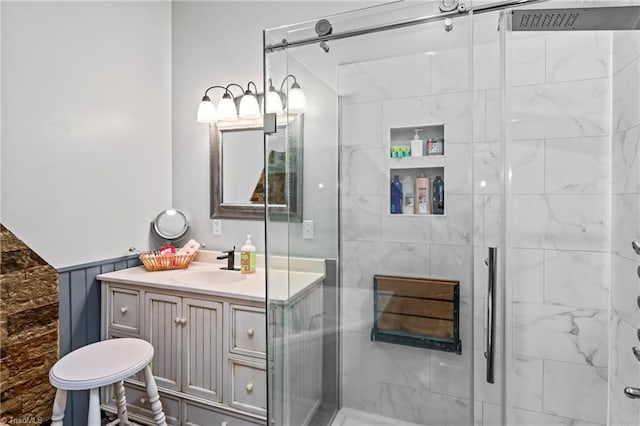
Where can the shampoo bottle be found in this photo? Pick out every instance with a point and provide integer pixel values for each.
(396, 195)
(407, 184)
(438, 195)
(416, 145)
(248, 257)
(422, 202)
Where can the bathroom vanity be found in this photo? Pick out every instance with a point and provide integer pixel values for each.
(208, 330)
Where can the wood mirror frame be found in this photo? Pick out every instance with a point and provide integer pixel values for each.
(292, 130)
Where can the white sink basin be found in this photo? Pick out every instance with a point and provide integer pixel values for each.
(209, 276)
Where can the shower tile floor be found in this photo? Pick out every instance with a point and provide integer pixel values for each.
(351, 417)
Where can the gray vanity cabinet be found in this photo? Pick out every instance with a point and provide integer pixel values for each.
(210, 346)
(209, 354)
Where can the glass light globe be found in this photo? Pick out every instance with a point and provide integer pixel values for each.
(274, 102)
(206, 111)
(249, 107)
(227, 109)
(297, 101)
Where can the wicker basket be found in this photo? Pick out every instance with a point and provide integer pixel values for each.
(156, 261)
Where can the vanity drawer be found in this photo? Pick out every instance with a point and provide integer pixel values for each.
(248, 331)
(138, 404)
(125, 309)
(197, 415)
(248, 387)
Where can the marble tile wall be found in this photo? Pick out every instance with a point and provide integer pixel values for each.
(559, 212)
(559, 261)
(625, 286)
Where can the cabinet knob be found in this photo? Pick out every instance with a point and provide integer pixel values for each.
(143, 400)
(250, 387)
(183, 321)
(224, 424)
(177, 320)
(250, 333)
(123, 310)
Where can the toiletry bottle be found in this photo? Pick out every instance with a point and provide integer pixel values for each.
(437, 192)
(248, 257)
(422, 201)
(407, 183)
(396, 195)
(416, 145)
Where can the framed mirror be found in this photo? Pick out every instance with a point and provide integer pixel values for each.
(238, 176)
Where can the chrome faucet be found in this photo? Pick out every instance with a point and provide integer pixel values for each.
(230, 256)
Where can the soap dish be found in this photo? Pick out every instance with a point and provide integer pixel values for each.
(156, 261)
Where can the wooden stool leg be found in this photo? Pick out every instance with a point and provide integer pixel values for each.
(154, 398)
(121, 403)
(59, 405)
(94, 408)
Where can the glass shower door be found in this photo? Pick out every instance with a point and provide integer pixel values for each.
(397, 319)
(569, 217)
(302, 248)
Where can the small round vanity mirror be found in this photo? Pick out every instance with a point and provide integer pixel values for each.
(171, 224)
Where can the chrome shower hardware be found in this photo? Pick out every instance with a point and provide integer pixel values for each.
(323, 27)
(633, 393)
(451, 5)
(577, 19)
(448, 24)
(448, 5)
(636, 352)
(636, 247)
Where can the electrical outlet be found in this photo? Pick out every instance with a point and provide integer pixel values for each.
(307, 230)
(217, 226)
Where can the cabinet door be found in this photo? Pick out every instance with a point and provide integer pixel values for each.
(163, 329)
(202, 346)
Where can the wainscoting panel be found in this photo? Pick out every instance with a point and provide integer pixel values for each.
(80, 318)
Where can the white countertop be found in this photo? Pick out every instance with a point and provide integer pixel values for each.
(283, 285)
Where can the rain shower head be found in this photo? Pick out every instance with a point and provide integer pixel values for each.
(577, 19)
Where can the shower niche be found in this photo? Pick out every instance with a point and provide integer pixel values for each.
(417, 170)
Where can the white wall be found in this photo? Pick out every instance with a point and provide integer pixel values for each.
(219, 43)
(86, 125)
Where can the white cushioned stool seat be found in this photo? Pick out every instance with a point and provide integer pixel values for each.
(100, 364)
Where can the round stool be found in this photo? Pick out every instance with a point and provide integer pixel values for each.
(100, 364)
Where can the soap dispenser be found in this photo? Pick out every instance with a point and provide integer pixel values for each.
(416, 145)
(248, 257)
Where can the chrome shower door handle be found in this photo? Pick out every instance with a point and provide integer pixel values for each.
(491, 314)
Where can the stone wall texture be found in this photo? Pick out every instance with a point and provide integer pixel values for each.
(28, 332)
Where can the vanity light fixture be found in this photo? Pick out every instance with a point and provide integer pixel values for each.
(247, 105)
(277, 101)
(227, 108)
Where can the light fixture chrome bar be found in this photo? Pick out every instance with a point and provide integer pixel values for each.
(396, 25)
